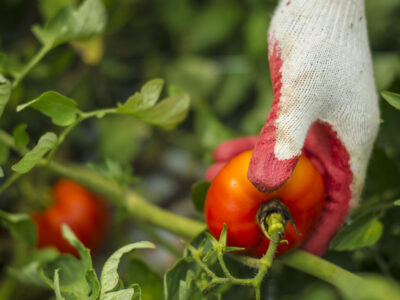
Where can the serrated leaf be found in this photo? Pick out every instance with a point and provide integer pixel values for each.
(392, 98)
(21, 137)
(21, 226)
(46, 142)
(87, 21)
(168, 113)
(84, 253)
(5, 92)
(364, 232)
(109, 275)
(199, 193)
(62, 110)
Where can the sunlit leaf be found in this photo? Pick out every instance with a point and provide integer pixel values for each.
(62, 110)
(150, 92)
(109, 275)
(84, 252)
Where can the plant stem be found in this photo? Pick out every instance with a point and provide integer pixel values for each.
(137, 206)
(147, 212)
(33, 62)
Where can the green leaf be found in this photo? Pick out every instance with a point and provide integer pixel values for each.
(73, 282)
(46, 142)
(397, 202)
(125, 294)
(150, 93)
(84, 252)
(21, 137)
(60, 109)
(32, 272)
(21, 226)
(87, 21)
(5, 92)
(199, 193)
(168, 113)
(364, 232)
(109, 275)
(149, 281)
(1, 172)
(4, 153)
(212, 25)
(392, 98)
(93, 283)
(57, 285)
(146, 99)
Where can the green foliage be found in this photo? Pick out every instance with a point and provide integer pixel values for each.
(209, 130)
(214, 52)
(196, 275)
(5, 92)
(46, 142)
(168, 113)
(72, 24)
(20, 226)
(199, 193)
(149, 281)
(21, 137)
(392, 98)
(109, 276)
(60, 109)
(364, 232)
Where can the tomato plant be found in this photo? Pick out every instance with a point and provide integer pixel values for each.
(80, 209)
(233, 200)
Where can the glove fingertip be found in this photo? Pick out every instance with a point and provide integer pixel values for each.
(267, 172)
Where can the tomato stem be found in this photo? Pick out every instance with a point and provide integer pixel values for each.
(281, 215)
(274, 228)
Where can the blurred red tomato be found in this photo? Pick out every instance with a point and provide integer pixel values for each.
(80, 209)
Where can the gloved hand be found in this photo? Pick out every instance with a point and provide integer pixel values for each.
(325, 105)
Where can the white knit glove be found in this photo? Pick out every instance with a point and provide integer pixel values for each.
(325, 105)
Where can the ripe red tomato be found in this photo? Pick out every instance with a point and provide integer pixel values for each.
(232, 199)
(77, 207)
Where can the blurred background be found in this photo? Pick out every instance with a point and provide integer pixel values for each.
(217, 52)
